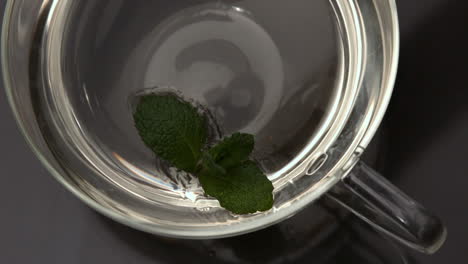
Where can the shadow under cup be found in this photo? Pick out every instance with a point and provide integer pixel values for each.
(293, 74)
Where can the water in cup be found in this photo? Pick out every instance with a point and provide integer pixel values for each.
(267, 68)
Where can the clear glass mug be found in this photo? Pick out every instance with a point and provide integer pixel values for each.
(58, 55)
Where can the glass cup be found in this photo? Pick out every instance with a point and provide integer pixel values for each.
(310, 79)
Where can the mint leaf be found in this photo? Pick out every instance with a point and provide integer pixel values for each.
(176, 132)
(173, 129)
(208, 164)
(233, 150)
(244, 189)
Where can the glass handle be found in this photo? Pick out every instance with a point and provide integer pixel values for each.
(378, 202)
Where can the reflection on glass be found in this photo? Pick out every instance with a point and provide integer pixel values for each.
(321, 234)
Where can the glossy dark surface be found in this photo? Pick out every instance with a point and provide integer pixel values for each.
(423, 150)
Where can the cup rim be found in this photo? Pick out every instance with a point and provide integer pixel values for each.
(359, 142)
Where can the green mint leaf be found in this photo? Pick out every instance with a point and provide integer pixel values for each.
(244, 189)
(233, 150)
(173, 129)
(209, 165)
(176, 132)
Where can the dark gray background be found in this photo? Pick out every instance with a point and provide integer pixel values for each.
(426, 131)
